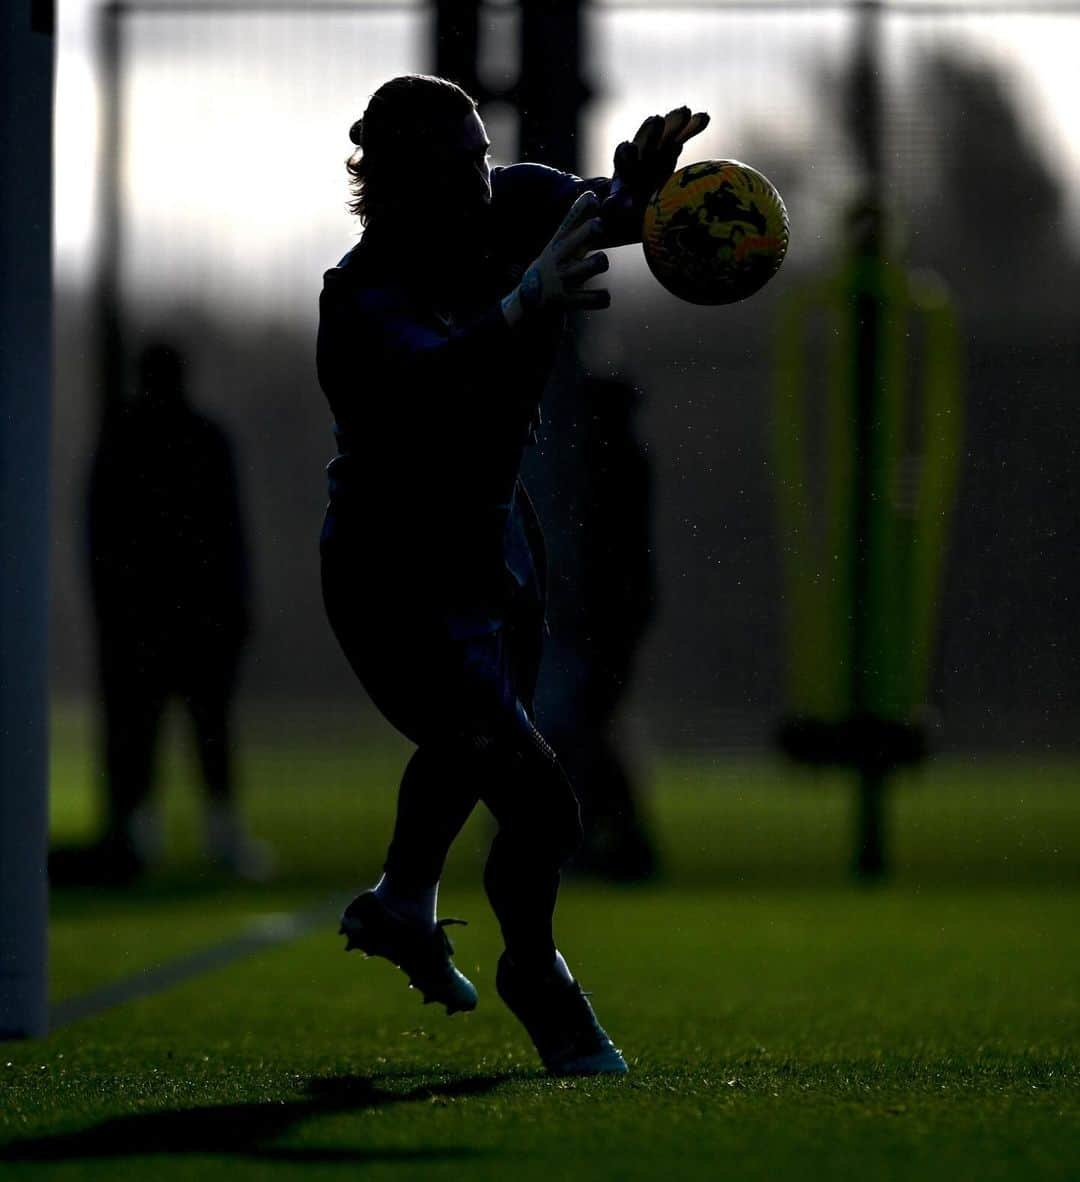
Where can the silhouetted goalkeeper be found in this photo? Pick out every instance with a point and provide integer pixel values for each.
(437, 334)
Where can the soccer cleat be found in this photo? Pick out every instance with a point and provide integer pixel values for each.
(424, 957)
(561, 1023)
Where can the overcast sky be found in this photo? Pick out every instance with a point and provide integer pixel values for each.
(236, 125)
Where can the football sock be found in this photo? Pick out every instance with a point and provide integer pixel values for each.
(231, 846)
(223, 829)
(562, 969)
(412, 906)
(141, 830)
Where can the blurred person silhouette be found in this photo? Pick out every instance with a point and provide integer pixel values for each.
(170, 582)
(437, 335)
(618, 593)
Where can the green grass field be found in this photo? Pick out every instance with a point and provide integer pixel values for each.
(780, 1022)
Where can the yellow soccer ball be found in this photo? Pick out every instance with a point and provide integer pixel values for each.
(715, 232)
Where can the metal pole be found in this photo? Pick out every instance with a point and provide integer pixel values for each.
(551, 91)
(457, 44)
(26, 70)
(548, 96)
(867, 132)
(107, 299)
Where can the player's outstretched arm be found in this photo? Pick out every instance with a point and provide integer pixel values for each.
(641, 167)
(557, 276)
(380, 324)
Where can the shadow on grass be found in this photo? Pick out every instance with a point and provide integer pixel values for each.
(247, 1130)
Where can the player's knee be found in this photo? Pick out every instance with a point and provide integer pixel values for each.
(538, 810)
(568, 833)
(542, 841)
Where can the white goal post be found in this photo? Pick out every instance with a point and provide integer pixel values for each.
(26, 105)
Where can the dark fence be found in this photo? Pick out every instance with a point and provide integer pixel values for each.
(229, 202)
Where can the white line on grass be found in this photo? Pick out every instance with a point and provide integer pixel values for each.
(263, 931)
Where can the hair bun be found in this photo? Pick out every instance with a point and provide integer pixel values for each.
(356, 132)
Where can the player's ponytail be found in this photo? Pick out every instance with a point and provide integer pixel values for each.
(404, 118)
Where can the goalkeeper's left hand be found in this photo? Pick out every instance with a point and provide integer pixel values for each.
(642, 165)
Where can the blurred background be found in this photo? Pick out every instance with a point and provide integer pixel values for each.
(200, 194)
(813, 563)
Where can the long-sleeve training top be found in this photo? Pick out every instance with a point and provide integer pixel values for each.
(435, 397)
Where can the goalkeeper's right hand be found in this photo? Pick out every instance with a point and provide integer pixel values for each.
(556, 277)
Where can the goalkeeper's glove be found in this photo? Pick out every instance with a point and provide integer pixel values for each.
(642, 165)
(556, 276)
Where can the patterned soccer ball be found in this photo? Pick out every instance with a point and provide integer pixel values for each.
(716, 232)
